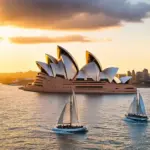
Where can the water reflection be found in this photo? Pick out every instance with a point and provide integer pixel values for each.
(137, 132)
(94, 110)
(27, 118)
(69, 142)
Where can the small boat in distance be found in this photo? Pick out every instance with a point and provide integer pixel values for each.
(68, 120)
(137, 110)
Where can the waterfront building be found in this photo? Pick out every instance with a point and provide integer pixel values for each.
(139, 76)
(59, 75)
(129, 73)
(133, 76)
(145, 75)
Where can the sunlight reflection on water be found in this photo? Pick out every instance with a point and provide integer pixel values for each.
(26, 120)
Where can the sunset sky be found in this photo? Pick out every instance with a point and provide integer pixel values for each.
(116, 31)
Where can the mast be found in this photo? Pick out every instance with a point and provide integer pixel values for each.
(137, 103)
(70, 111)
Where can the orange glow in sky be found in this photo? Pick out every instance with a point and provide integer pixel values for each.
(8, 31)
(128, 49)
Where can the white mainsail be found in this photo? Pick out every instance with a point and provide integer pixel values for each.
(141, 108)
(69, 115)
(133, 107)
(137, 106)
(65, 115)
(74, 114)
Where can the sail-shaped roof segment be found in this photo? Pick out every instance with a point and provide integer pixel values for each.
(110, 73)
(70, 68)
(58, 69)
(125, 79)
(91, 58)
(44, 67)
(91, 70)
(50, 59)
(102, 76)
(70, 64)
(53, 66)
(61, 50)
(81, 75)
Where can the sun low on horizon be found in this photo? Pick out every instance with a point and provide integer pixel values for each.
(116, 37)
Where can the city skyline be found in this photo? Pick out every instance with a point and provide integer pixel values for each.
(114, 36)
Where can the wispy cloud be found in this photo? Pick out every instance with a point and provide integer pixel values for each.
(71, 14)
(63, 39)
(38, 40)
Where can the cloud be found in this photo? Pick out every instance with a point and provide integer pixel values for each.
(38, 40)
(70, 14)
(70, 38)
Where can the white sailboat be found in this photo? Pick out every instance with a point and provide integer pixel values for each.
(68, 120)
(137, 110)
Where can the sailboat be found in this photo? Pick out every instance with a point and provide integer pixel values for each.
(68, 120)
(137, 110)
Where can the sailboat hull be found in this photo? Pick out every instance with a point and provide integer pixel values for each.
(70, 130)
(137, 118)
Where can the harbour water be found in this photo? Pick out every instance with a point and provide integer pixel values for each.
(26, 120)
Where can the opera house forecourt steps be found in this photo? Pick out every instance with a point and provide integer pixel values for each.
(62, 74)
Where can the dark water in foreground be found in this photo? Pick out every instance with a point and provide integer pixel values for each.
(26, 120)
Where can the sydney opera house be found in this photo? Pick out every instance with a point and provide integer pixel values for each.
(61, 74)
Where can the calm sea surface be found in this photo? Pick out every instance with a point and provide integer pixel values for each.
(26, 120)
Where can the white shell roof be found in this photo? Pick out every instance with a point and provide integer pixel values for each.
(91, 58)
(45, 67)
(91, 70)
(53, 66)
(70, 68)
(66, 65)
(81, 75)
(50, 59)
(58, 69)
(61, 50)
(125, 79)
(102, 75)
(110, 73)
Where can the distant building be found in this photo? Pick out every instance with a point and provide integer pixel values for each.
(145, 74)
(133, 76)
(139, 76)
(129, 73)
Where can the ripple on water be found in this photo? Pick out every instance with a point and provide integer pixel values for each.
(26, 120)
